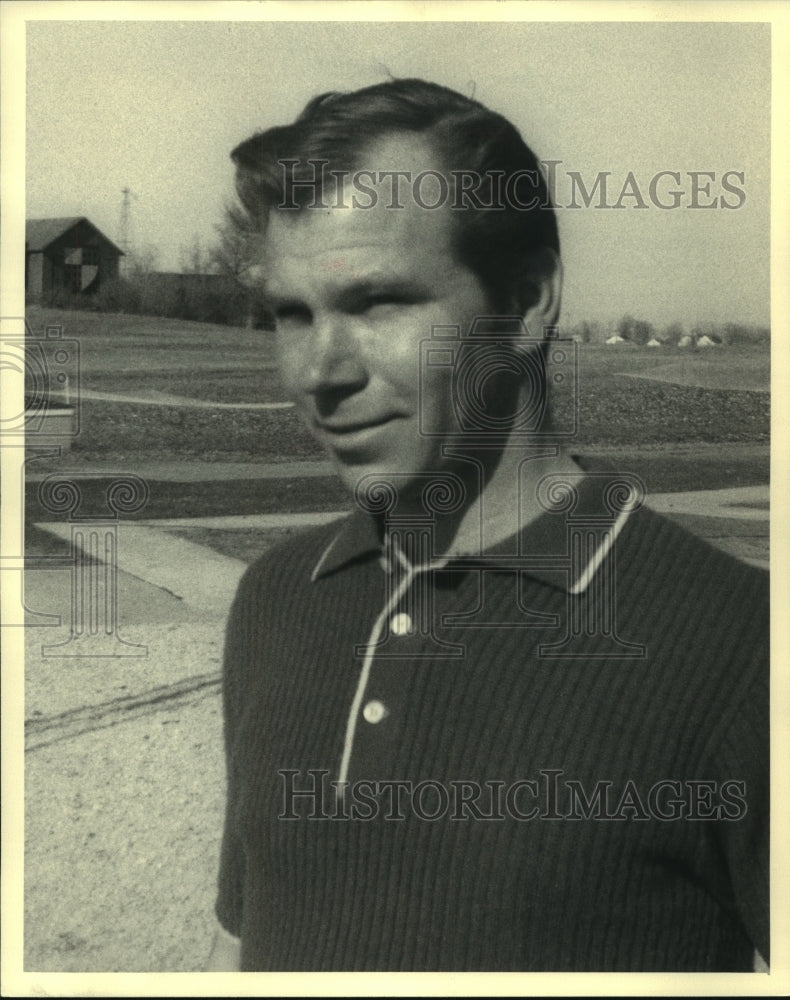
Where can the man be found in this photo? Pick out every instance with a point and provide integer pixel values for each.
(502, 717)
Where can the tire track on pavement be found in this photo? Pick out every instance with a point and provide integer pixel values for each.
(44, 731)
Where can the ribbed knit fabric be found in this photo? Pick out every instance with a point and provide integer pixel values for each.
(568, 893)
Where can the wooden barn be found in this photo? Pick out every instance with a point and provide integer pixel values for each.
(69, 254)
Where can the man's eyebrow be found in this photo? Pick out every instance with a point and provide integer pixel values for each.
(354, 292)
(383, 285)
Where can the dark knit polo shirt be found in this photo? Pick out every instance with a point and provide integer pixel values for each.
(670, 708)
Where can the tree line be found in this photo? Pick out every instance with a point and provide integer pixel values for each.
(641, 332)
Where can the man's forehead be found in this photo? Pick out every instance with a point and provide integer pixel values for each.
(307, 231)
(409, 151)
(350, 232)
(313, 234)
(336, 255)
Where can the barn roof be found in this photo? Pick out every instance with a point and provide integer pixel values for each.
(39, 233)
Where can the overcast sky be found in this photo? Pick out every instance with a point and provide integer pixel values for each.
(158, 106)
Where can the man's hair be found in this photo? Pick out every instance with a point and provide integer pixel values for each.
(504, 245)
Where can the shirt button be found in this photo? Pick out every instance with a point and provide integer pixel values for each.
(374, 712)
(401, 624)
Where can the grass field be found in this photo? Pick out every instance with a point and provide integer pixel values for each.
(628, 396)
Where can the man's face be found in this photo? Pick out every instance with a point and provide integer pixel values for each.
(354, 292)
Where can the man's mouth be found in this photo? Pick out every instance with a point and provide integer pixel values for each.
(346, 427)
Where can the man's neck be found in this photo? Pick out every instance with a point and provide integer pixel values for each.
(508, 501)
(502, 497)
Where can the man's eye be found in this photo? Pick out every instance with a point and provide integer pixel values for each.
(382, 301)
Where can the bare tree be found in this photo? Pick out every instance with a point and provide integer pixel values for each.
(236, 249)
(638, 331)
(141, 262)
(625, 328)
(195, 259)
(236, 254)
(673, 333)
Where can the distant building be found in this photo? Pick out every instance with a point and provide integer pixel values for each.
(67, 254)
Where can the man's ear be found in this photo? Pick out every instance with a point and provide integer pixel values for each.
(545, 287)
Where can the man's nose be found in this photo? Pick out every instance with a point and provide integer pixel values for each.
(335, 362)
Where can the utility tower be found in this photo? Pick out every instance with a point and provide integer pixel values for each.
(125, 205)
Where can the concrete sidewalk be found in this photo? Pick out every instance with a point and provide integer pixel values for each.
(153, 397)
(744, 502)
(185, 471)
(200, 578)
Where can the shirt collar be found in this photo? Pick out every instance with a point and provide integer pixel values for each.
(358, 538)
(536, 549)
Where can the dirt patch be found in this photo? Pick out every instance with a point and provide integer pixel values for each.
(678, 468)
(207, 499)
(246, 544)
(663, 469)
(748, 540)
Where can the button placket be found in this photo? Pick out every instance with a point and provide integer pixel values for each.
(374, 711)
(401, 624)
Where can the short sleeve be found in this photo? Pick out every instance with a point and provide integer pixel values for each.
(744, 756)
(238, 654)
